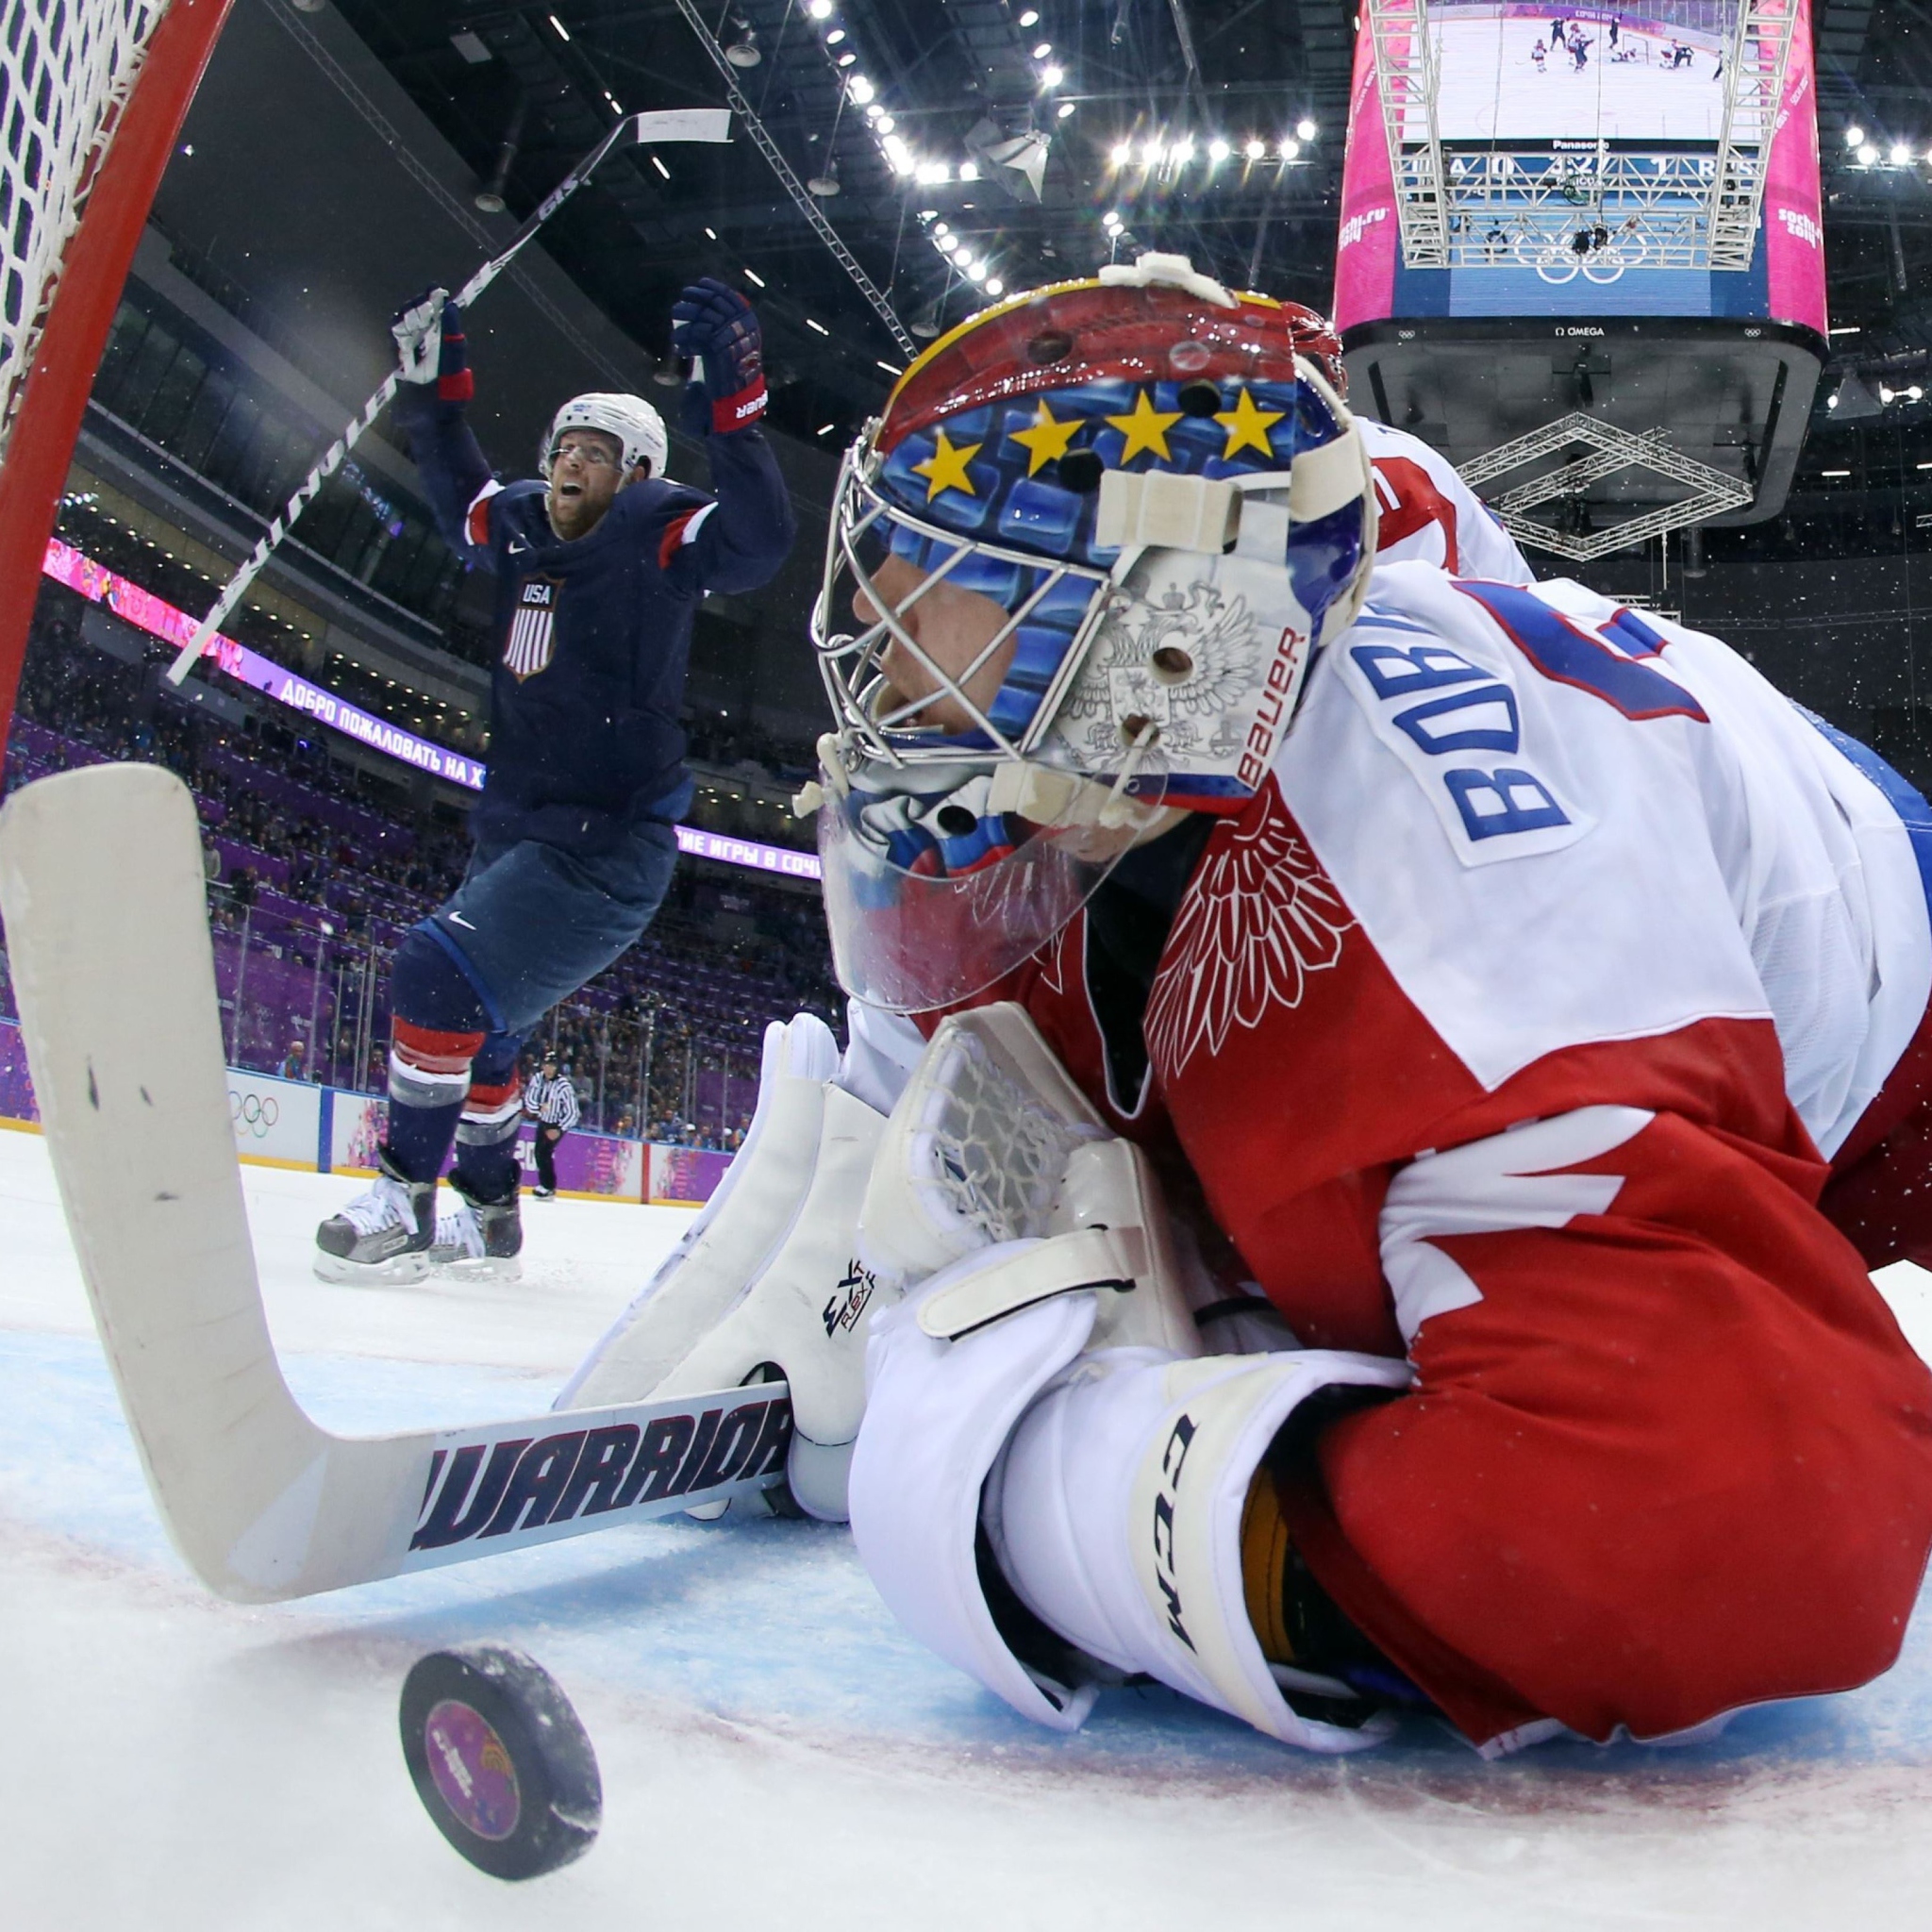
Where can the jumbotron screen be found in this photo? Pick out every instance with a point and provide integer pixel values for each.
(1515, 75)
(1580, 96)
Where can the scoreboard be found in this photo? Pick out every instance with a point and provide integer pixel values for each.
(1643, 183)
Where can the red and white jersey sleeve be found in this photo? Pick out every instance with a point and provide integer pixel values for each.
(477, 533)
(1509, 1028)
(1430, 515)
(1666, 1454)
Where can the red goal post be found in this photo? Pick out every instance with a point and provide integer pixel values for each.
(92, 93)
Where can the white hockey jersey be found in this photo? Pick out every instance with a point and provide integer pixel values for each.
(1615, 820)
(1430, 515)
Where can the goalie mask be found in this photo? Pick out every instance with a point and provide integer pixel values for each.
(1090, 549)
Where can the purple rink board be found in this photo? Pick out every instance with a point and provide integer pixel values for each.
(596, 1166)
(600, 1166)
(17, 1102)
(681, 1176)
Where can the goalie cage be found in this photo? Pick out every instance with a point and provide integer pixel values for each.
(92, 93)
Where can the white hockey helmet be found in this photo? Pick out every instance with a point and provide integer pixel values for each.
(636, 425)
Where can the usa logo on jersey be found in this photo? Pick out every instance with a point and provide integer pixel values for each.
(527, 651)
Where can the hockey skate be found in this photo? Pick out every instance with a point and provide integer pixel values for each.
(382, 1236)
(480, 1241)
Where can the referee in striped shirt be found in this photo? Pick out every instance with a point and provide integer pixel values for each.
(551, 1101)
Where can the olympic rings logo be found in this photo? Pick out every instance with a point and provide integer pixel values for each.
(253, 1113)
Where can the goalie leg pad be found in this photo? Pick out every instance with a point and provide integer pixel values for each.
(882, 1052)
(768, 1274)
(733, 1235)
(805, 1312)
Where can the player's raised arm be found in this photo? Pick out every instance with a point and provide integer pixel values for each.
(430, 411)
(738, 544)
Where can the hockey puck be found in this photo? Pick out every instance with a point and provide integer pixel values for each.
(500, 1759)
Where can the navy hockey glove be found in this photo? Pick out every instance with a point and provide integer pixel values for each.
(430, 347)
(714, 325)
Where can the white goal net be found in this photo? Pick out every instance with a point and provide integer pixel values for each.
(66, 69)
(92, 96)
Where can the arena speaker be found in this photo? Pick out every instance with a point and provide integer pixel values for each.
(1015, 158)
(96, 92)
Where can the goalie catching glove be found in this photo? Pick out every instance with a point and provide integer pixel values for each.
(1053, 1487)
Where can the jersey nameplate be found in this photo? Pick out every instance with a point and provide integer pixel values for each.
(1458, 729)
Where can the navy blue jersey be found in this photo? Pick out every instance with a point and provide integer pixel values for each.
(594, 636)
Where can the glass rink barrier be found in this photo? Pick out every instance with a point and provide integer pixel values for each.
(305, 1020)
(1581, 253)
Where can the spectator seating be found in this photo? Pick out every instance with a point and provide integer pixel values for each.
(312, 886)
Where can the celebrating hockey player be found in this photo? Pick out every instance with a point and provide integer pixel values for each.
(1430, 1062)
(599, 568)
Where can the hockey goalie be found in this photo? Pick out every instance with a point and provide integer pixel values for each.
(1407, 1075)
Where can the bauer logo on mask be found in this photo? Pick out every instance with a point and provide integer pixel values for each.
(527, 651)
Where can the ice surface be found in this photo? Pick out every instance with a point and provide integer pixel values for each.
(772, 1747)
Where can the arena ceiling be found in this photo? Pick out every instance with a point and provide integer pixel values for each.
(1011, 118)
(996, 118)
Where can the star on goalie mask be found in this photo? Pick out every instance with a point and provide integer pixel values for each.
(1091, 548)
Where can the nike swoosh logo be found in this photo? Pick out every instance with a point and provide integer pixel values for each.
(516, 547)
(457, 919)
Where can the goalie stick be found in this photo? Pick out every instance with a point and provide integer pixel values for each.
(102, 889)
(677, 124)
